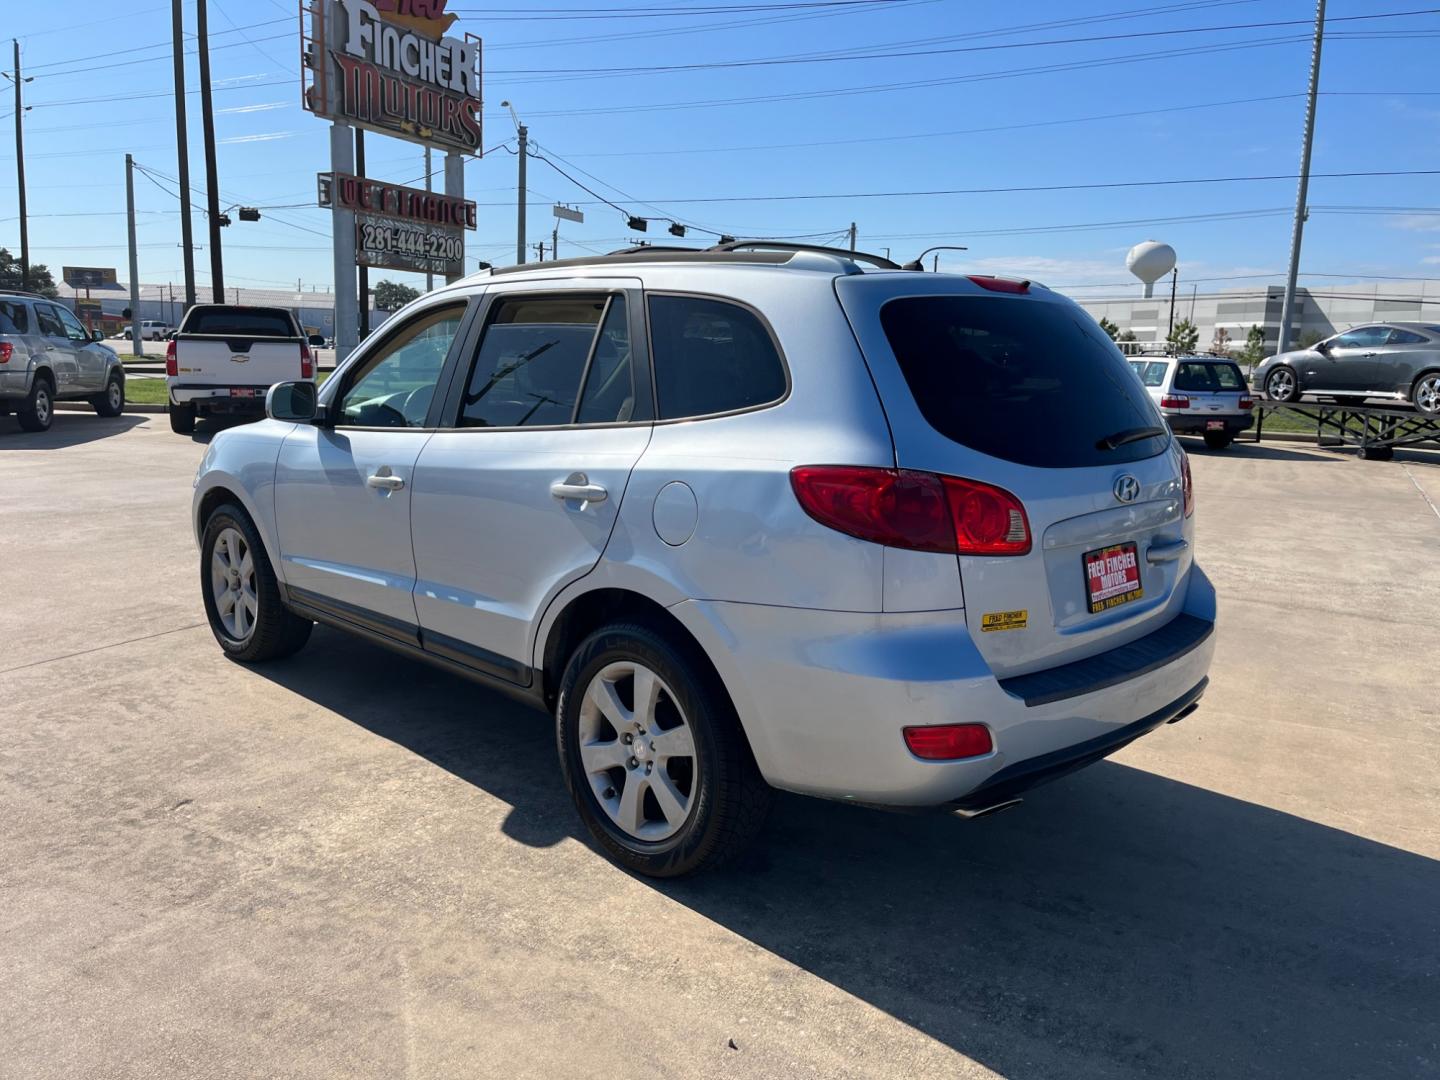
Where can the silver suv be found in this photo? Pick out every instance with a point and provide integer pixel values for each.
(739, 519)
(46, 355)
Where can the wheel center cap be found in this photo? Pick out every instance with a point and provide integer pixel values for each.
(640, 748)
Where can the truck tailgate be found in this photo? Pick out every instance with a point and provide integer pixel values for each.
(238, 361)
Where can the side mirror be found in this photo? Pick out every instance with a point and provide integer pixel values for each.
(97, 335)
(293, 402)
(1322, 347)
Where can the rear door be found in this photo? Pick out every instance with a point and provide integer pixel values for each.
(1023, 391)
(517, 493)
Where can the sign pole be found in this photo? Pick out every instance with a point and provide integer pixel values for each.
(135, 345)
(455, 188)
(347, 310)
(429, 278)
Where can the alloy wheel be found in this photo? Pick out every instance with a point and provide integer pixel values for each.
(232, 584)
(1281, 385)
(637, 750)
(1427, 394)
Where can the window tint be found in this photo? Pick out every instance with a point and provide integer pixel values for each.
(49, 322)
(1152, 372)
(14, 319)
(1363, 337)
(73, 329)
(1030, 381)
(394, 386)
(711, 357)
(1201, 378)
(240, 322)
(609, 394)
(530, 362)
(1404, 337)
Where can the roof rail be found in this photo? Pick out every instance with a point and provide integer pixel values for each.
(23, 292)
(779, 245)
(653, 254)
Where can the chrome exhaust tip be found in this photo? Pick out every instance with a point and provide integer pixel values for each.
(986, 811)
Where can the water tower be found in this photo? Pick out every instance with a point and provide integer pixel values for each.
(1150, 261)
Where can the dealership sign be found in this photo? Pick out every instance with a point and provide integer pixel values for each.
(401, 228)
(389, 67)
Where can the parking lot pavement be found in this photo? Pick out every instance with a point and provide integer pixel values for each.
(348, 864)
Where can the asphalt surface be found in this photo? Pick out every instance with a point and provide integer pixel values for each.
(349, 864)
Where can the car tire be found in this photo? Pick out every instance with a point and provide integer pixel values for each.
(1425, 394)
(1218, 440)
(242, 594)
(38, 410)
(698, 798)
(1281, 386)
(111, 401)
(182, 418)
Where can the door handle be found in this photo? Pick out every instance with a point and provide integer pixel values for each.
(577, 486)
(1163, 553)
(385, 480)
(1371, 354)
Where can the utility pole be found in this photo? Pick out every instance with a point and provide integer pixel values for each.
(212, 179)
(523, 133)
(137, 347)
(429, 277)
(362, 270)
(555, 241)
(20, 175)
(182, 148)
(852, 236)
(1174, 280)
(540, 249)
(1287, 309)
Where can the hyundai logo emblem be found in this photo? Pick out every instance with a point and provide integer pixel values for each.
(1127, 488)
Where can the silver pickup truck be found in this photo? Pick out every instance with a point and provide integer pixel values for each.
(225, 357)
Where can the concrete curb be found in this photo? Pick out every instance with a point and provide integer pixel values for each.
(84, 406)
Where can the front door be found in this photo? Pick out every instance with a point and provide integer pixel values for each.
(343, 489)
(517, 493)
(60, 351)
(1351, 361)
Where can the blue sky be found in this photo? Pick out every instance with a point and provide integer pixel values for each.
(943, 129)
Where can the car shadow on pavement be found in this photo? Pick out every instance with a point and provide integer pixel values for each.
(66, 429)
(1262, 451)
(1117, 924)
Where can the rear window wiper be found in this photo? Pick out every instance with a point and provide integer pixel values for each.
(1129, 435)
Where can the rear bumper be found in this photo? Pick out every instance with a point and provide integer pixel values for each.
(208, 397)
(15, 384)
(823, 697)
(1198, 423)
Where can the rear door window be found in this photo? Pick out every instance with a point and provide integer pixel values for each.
(1030, 381)
(711, 356)
(1208, 378)
(1404, 337)
(14, 319)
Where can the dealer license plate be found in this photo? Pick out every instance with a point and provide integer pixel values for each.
(241, 391)
(1214, 425)
(1112, 576)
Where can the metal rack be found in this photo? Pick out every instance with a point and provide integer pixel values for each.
(1375, 432)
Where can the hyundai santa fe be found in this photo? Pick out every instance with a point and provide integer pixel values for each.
(738, 519)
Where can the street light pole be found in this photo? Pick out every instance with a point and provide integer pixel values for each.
(1287, 309)
(182, 148)
(137, 348)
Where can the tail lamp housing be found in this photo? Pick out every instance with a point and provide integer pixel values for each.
(307, 362)
(921, 511)
(171, 366)
(1174, 401)
(6, 351)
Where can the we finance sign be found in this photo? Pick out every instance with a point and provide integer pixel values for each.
(390, 67)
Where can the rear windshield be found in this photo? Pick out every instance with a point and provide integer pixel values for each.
(240, 322)
(13, 318)
(1208, 378)
(1033, 382)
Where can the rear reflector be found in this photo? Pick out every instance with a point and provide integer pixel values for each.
(921, 511)
(171, 367)
(997, 284)
(6, 351)
(1187, 484)
(949, 742)
(307, 362)
(1174, 401)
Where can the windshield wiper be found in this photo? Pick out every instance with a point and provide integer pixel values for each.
(1129, 435)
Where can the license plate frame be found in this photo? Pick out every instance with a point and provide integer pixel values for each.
(1214, 425)
(1107, 584)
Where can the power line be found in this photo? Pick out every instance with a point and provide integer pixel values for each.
(590, 13)
(166, 44)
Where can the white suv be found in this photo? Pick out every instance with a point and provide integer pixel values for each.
(738, 519)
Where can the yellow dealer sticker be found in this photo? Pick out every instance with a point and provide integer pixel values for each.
(1004, 620)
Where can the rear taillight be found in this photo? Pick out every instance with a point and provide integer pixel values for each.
(1247, 403)
(920, 511)
(1187, 484)
(307, 362)
(171, 367)
(949, 742)
(1174, 401)
(6, 351)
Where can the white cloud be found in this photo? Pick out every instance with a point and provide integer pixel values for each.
(1415, 222)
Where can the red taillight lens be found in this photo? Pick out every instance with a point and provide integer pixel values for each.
(6, 351)
(1187, 483)
(307, 362)
(920, 511)
(1174, 401)
(949, 742)
(171, 368)
(999, 284)
(1247, 403)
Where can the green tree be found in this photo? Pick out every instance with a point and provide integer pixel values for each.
(1183, 337)
(1109, 328)
(392, 296)
(1126, 335)
(1254, 350)
(41, 280)
(1308, 338)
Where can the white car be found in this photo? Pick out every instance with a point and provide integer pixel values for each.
(1199, 395)
(738, 519)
